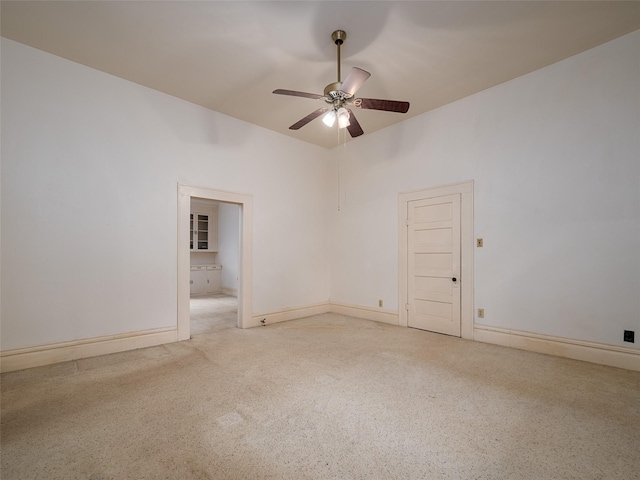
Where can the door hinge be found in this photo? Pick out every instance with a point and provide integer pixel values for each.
(406, 306)
(406, 222)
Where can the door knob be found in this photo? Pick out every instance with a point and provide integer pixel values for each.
(454, 279)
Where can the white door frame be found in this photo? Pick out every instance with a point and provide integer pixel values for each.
(245, 309)
(465, 189)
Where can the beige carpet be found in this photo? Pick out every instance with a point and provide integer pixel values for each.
(327, 397)
(211, 312)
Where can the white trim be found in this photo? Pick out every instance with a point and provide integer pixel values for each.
(21, 358)
(289, 314)
(465, 189)
(245, 260)
(611, 355)
(376, 315)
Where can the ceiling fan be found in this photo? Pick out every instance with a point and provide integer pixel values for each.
(339, 96)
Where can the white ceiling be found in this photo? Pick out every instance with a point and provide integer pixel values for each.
(230, 56)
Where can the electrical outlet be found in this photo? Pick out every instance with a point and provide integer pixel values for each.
(380, 303)
(479, 242)
(481, 313)
(629, 336)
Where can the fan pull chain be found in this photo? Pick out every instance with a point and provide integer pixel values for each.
(344, 159)
(341, 160)
(339, 163)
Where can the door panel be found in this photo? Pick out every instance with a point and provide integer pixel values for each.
(432, 213)
(434, 260)
(435, 236)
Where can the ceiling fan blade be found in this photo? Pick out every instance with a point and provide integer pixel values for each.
(354, 80)
(355, 130)
(386, 105)
(293, 93)
(303, 121)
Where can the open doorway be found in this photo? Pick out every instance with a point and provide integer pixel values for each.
(197, 233)
(214, 244)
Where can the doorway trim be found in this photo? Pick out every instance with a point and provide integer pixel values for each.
(245, 261)
(465, 189)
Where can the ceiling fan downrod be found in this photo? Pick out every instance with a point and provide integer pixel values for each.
(332, 91)
(338, 37)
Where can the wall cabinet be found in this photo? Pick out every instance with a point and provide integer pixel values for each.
(206, 279)
(203, 228)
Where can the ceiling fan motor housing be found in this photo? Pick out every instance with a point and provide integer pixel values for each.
(333, 91)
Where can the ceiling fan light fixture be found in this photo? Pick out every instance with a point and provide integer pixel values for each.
(330, 118)
(343, 117)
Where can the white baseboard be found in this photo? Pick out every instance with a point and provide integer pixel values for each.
(288, 314)
(603, 354)
(611, 355)
(21, 358)
(232, 292)
(377, 315)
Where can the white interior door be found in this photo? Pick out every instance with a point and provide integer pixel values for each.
(434, 264)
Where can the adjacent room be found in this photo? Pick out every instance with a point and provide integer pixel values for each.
(213, 263)
(320, 240)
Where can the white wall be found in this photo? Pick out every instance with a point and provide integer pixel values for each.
(90, 167)
(228, 241)
(555, 156)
